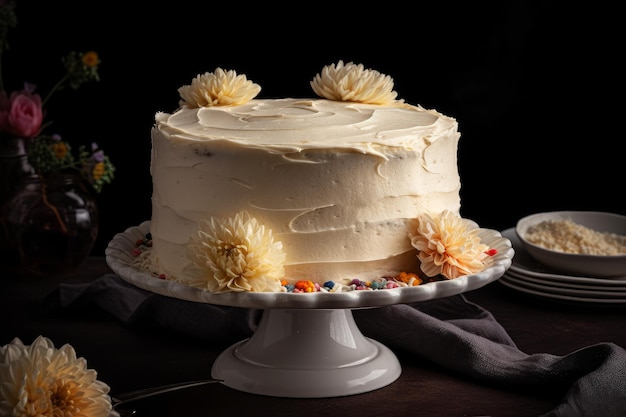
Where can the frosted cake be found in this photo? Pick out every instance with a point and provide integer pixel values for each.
(351, 187)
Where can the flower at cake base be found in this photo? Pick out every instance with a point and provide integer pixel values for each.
(40, 380)
(448, 245)
(352, 82)
(219, 88)
(235, 254)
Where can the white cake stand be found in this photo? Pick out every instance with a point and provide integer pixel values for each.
(307, 345)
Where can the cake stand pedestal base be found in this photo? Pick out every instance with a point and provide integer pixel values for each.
(307, 353)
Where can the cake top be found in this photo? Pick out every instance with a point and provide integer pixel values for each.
(282, 124)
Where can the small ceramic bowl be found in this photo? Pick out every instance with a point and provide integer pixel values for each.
(573, 263)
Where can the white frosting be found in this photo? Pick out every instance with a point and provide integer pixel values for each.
(338, 183)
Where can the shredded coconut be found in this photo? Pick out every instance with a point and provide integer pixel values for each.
(569, 237)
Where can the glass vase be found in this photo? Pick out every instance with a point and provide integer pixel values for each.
(52, 223)
(14, 167)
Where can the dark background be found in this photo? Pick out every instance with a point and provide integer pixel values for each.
(536, 86)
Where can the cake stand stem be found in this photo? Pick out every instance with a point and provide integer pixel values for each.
(307, 353)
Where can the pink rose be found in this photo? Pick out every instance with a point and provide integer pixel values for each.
(21, 115)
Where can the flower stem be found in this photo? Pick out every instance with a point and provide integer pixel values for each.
(44, 197)
(56, 87)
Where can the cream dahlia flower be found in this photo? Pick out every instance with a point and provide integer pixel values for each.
(219, 88)
(448, 245)
(235, 254)
(351, 82)
(40, 380)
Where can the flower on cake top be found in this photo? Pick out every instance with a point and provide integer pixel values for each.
(352, 82)
(40, 380)
(448, 245)
(235, 254)
(219, 88)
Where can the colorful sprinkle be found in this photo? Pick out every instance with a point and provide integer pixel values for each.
(409, 278)
(305, 286)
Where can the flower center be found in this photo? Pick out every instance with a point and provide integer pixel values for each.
(230, 250)
(62, 399)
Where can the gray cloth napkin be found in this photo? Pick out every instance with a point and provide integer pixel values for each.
(453, 333)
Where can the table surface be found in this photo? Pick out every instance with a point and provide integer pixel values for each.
(131, 357)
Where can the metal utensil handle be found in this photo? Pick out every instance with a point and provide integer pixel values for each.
(149, 392)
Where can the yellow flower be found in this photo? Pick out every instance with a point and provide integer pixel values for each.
(60, 150)
(40, 380)
(448, 245)
(351, 82)
(235, 254)
(220, 88)
(91, 59)
(98, 170)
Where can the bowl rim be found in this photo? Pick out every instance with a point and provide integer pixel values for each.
(525, 222)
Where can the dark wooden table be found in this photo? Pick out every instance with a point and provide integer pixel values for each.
(130, 357)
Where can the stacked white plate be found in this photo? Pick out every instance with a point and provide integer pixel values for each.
(529, 276)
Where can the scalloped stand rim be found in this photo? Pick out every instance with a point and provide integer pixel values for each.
(307, 354)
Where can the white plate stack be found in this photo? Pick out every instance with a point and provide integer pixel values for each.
(529, 276)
